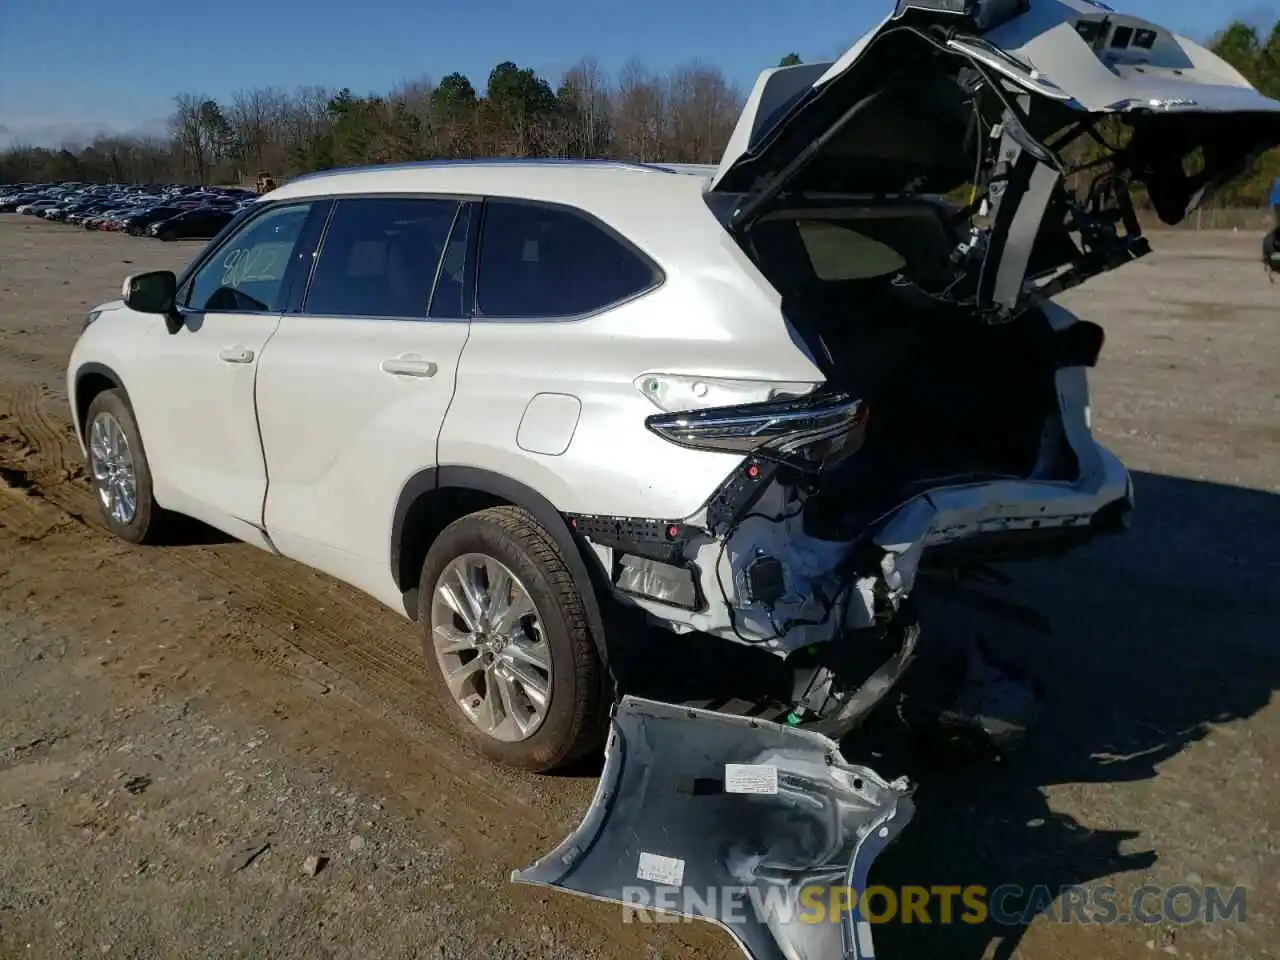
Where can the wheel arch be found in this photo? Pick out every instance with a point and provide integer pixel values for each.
(91, 379)
(435, 497)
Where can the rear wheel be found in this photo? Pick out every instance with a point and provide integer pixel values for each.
(119, 470)
(506, 636)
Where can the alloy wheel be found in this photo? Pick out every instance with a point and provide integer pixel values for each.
(111, 463)
(490, 647)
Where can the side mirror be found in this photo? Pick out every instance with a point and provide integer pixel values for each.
(154, 292)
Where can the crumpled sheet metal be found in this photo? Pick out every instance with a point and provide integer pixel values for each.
(668, 829)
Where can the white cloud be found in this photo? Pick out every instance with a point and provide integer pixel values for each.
(71, 132)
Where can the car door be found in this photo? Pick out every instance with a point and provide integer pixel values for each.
(195, 394)
(353, 389)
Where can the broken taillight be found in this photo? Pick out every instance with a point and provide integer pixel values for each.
(812, 430)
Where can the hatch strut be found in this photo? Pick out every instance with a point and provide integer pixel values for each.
(774, 185)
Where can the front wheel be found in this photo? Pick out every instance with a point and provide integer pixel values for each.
(119, 470)
(507, 638)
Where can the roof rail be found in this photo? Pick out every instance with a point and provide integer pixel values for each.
(680, 168)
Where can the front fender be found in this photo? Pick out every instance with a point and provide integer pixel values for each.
(84, 381)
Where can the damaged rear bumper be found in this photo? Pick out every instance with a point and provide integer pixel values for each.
(767, 582)
(762, 829)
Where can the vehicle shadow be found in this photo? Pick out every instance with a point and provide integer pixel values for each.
(182, 531)
(1157, 634)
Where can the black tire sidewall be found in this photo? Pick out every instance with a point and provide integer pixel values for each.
(575, 671)
(147, 514)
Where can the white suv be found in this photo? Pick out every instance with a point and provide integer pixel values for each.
(518, 400)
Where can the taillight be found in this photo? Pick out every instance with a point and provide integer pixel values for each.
(809, 431)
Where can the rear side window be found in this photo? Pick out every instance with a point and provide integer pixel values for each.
(380, 256)
(548, 262)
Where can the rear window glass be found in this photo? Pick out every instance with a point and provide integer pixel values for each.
(870, 244)
(839, 252)
(541, 261)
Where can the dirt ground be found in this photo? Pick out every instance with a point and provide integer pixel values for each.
(181, 727)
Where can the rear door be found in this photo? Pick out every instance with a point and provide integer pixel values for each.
(354, 388)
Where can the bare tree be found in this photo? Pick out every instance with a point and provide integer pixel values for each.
(256, 119)
(585, 99)
(188, 131)
(637, 111)
(702, 109)
(201, 132)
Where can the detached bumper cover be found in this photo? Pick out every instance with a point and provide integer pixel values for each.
(756, 827)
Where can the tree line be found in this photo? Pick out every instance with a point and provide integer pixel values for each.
(684, 116)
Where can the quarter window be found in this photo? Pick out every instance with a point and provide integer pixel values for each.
(541, 261)
(380, 257)
(246, 275)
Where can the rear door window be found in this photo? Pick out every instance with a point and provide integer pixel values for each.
(540, 261)
(380, 256)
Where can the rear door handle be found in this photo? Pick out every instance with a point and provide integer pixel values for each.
(236, 355)
(409, 366)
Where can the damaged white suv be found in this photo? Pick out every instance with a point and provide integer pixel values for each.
(527, 403)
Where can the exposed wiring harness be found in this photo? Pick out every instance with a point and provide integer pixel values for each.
(829, 604)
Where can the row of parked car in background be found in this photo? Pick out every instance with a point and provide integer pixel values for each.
(165, 212)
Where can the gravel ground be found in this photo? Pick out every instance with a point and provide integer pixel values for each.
(181, 728)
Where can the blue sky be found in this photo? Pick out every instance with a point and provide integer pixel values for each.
(72, 67)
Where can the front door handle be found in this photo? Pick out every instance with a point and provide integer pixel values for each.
(409, 366)
(236, 355)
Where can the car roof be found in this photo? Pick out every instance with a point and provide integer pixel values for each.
(647, 201)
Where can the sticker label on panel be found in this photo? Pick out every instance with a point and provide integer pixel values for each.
(750, 778)
(667, 871)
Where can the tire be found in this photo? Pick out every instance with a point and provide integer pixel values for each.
(572, 722)
(146, 521)
(166, 235)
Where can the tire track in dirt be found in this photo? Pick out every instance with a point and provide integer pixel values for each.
(37, 426)
(21, 513)
(358, 641)
(45, 433)
(321, 620)
(302, 624)
(485, 845)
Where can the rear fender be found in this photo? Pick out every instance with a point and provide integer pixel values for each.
(583, 565)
